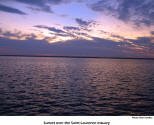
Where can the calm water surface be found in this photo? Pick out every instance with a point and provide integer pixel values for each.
(76, 86)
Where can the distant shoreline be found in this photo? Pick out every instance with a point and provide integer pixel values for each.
(80, 57)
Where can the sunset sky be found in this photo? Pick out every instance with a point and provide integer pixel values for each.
(106, 28)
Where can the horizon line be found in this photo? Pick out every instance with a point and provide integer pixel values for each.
(81, 57)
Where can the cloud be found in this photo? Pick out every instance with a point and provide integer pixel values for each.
(44, 9)
(56, 2)
(53, 29)
(29, 46)
(77, 47)
(41, 5)
(152, 32)
(11, 10)
(82, 22)
(71, 28)
(15, 35)
(70, 48)
(145, 42)
(68, 31)
(138, 11)
(56, 31)
(116, 36)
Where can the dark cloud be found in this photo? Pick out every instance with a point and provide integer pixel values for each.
(16, 34)
(29, 46)
(116, 36)
(44, 8)
(70, 48)
(82, 22)
(56, 31)
(9, 34)
(146, 42)
(40, 5)
(33, 2)
(53, 29)
(71, 28)
(62, 34)
(76, 47)
(83, 34)
(11, 10)
(56, 2)
(152, 32)
(139, 11)
(77, 31)
(143, 21)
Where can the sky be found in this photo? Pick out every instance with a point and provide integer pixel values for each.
(103, 28)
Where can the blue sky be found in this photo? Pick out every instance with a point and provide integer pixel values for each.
(108, 28)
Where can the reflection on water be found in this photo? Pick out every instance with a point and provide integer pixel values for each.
(76, 86)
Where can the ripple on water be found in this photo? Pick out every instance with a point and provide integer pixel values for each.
(69, 86)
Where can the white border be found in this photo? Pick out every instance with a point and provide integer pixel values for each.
(48, 120)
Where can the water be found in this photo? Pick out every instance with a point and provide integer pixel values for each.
(76, 86)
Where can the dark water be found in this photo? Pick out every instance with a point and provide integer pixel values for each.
(76, 86)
